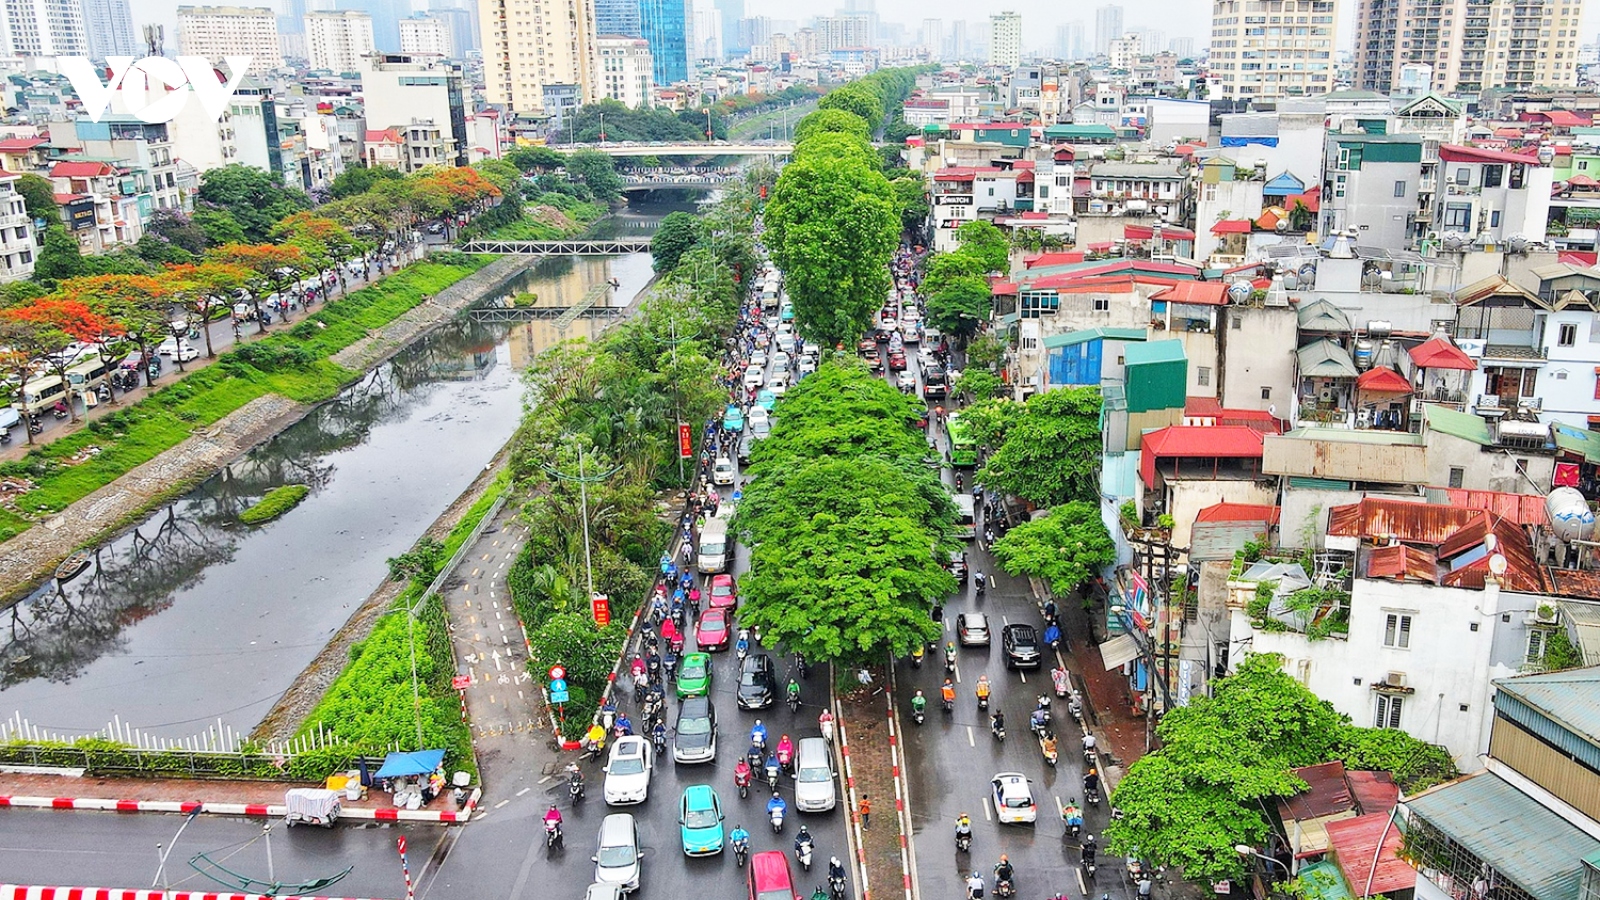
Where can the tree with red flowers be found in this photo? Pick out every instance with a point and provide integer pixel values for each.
(205, 288)
(135, 305)
(55, 325)
(271, 268)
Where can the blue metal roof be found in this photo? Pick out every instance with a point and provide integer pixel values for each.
(1521, 840)
(1570, 698)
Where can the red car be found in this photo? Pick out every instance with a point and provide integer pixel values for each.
(770, 878)
(724, 593)
(897, 362)
(711, 632)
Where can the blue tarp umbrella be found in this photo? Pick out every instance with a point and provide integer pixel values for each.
(416, 762)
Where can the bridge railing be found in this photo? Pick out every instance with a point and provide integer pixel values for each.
(601, 247)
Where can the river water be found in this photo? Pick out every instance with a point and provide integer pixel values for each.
(190, 617)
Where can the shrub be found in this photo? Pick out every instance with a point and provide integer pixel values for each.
(277, 501)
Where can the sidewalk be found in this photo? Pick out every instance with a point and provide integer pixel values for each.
(260, 799)
(869, 743)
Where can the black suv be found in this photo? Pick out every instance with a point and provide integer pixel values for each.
(695, 738)
(758, 686)
(1021, 645)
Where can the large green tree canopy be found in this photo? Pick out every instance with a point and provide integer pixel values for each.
(1066, 547)
(255, 199)
(1051, 453)
(831, 120)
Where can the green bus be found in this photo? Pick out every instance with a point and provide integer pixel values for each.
(963, 446)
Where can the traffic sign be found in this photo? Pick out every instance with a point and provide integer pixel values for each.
(558, 696)
(560, 684)
(461, 682)
(557, 673)
(600, 604)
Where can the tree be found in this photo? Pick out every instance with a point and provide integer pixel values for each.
(359, 180)
(219, 226)
(536, 159)
(326, 244)
(942, 268)
(834, 225)
(911, 195)
(985, 243)
(58, 322)
(831, 120)
(598, 171)
(1066, 547)
(257, 199)
(135, 306)
(17, 338)
(271, 268)
(179, 230)
(959, 305)
(59, 258)
(1051, 455)
(673, 238)
(204, 289)
(856, 98)
(39, 197)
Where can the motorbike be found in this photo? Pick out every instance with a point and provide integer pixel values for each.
(785, 756)
(1091, 795)
(741, 851)
(1049, 752)
(916, 658)
(741, 780)
(460, 780)
(35, 426)
(641, 683)
(959, 482)
(802, 855)
(777, 820)
(552, 835)
(1088, 758)
(917, 715)
(1088, 863)
(963, 841)
(794, 703)
(980, 584)
(950, 664)
(5, 436)
(983, 701)
(659, 740)
(998, 730)
(772, 773)
(836, 887)
(1058, 677)
(1004, 888)
(1052, 636)
(60, 411)
(575, 788)
(1075, 707)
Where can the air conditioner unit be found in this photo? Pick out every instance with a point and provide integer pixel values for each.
(1394, 680)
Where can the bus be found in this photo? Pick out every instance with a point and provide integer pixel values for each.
(45, 391)
(963, 446)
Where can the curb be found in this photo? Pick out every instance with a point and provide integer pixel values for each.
(39, 892)
(252, 810)
(852, 831)
(902, 790)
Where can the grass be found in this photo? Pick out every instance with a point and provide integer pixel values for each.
(580, 214)
(277, 501)
(292, 363)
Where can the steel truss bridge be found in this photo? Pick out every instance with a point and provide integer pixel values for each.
(605, 247)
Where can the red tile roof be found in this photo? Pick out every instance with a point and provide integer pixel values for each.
(1238, 512)
(1147, 232)
(80, 170)
(1198, 407)
(384, 136)
(1232, 226)
(1056, 258)
(1440, 353)
(1354, 842)
(1383, 380)
(1002, 288)
(1458, 153)
(1198, 442)
(1199, 293)
(1563, 117)
(18, 145)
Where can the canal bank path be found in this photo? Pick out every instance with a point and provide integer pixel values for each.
(30, 556)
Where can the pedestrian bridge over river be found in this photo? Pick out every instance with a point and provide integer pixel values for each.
(585, 247)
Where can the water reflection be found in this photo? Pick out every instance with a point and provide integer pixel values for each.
(189, 616)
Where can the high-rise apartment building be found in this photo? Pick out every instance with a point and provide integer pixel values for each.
(1124, 51)
(1181, 47)
(1107, 27)
(625, 70)
(1254, 57)
(109, 24)
(958, 40)
(706, 31)
(336, 41)
(732, 12)
(462, 21)
(665, 24)
(399, 90)
(617, 17)
(426, 35)
(218, 31)
(1471, 44)
(43, 28)
(528, 44)
(931, 35)
(1005, 39)
(844, 31)
(1070, 39)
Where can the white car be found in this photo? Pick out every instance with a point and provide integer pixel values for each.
(754, 377)
(759, 423)
(758, 360)
(778, 386)
(807, 365)
(722, 471)
(1013, 798)
(183, 351)
(628, 771)
(906, 380)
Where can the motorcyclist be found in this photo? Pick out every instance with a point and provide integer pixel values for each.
(1003, 870)
(658, 734)
(1089, 848)
(1049, 743)
(919, 703)
(739, 834)
(742, 645)
(1091, 781)
(948, 692)
(624, 725)
(785, 748)
(794, 690)
(1071, 814)
(979, 580)
(755, 758)
(982, 689)
(974, 886)
(801, 839)
(742, 773)
(963, 826)
(596, 738)
(1039, 720)
(552, 819)
(776, 803)
(835, 869)
(997, 722)
(758, 735)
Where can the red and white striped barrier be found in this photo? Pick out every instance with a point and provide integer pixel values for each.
(256, 810)
(40, 892)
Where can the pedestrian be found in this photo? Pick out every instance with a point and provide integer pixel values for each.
(866, 810)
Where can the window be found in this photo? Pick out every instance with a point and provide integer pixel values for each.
(1202, 376)
(1338, 185)
(1567, 335)
(1399, 188)
(1458, 215)
(1538, 641)
(1463, 176)
(1397, 626)
(1457, 476)
(1493, 175)
(1236, 322)
(1102, 304)
(1388, 711)
(1494, 218)
(1266, 393)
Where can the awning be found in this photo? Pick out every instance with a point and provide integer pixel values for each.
(416, 762)
(1119, 651)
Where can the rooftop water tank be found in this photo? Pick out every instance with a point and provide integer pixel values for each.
(1570, 516)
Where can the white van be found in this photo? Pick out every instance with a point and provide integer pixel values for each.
(813, 776)
(966, 517)
(712, 555)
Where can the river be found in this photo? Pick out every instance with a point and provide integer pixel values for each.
(189, 617)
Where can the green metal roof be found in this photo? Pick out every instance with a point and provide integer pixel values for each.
(1576, 441)
(1524, 842)
(1323, 317)
(1080, 132)
(1571, 698)
(1323, 881)
(1325, 359)
(1463, 425)
(1073, 338)
(1154, 352)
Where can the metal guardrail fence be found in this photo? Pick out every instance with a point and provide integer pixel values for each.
(604, 247)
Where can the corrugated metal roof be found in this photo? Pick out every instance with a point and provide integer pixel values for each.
(1374, 791)
(1571, 698)
(1577, 583)
(1238, 512)
(1325, 359)
(1524, 842)
(1221, 540)
(1523, 572)
(1326, 793)
(1155, 351)
(1402, 562)
(1415, 523)
(1073, 338)
(1523, 509)
(1322, 316)
(1463, 425)
(1355, 841)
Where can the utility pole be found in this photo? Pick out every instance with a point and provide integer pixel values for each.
(584, 479)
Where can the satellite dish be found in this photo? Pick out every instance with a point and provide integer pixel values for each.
(1497, 565)
(1454, 240)
(1517, 243)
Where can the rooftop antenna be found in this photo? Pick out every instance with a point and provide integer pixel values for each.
(154, 37)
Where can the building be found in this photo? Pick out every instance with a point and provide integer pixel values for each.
(16, 233)
(44, 28)
(1070, 40)
(958, 40)
(215, 32)
(1370, 186)
(705, 32)
(1181, 47)
(626, 71)
(665, 24)
(1124, 51)
(617, 17)
(400, 89)
(1107, 28)
(732, 13)
(1005, 39)
(384, 149)
(463, 24)
(931, 36)
(527, 46)
(336, 41)
(424, 35)
(842, 32)
(109, 25)
(1471, 45)
(1254, 59)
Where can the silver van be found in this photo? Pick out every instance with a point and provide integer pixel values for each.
(713, 549)
(617, 859)
(813, 776)
(966, 517)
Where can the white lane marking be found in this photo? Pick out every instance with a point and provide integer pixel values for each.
(1081, 886)
(987, 817)
(1023, 675)
(546, 778)
(502, 803)
(971, 742)
(1004, 621)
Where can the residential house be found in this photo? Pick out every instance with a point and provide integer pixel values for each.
(100, 203)
(1369, 188)
(17, 246)
(1491, 195)
(1187, 468)
(384, 148)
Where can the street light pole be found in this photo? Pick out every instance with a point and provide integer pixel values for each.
(1247, 850)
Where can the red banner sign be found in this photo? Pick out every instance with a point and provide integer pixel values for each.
(461, 682)
(685, 441)
(600, 604)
